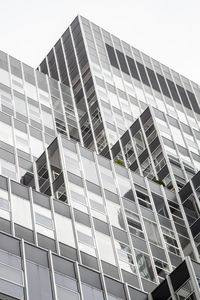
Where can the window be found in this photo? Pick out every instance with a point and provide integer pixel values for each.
(34, 113)
(8, 169)
(134, 224)
(170, 240)
(85, 239)
(152, 232)
(144, 265)
(17, 84)
(107, 179)
(20, 106)
(44, 98)
(91, 293)
(22, 141)
(6, 133)
(161, 267)
(6, 99)
(177, 136)
(71, 162)
(44, 221)
(125, 257)
(104, 242)
(31, 91)
(64, 294)
(9, 273)
(78, 197)
(66, 287)
(39, 283)
(36, 146)
(47, 119)
(186, 292)
(4, 202)
(140, 94)
(90, 170)
(5, 77)
(115, 214)
(113, 99)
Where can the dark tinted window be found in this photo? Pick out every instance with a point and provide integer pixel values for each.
(183, 96)
(179, 276)
(122, 62)
(43, 67)
(173, 91)
(193, 102)
(143, 74)
(185, 192)
(132, 67)
(161, 292)
(112, 56)
(61, 63)
(153, 80)
(52, 65)
(163, 85)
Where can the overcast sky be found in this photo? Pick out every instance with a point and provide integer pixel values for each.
(167, 30)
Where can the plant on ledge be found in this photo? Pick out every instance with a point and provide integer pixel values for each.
(158, 181)
(119, 162)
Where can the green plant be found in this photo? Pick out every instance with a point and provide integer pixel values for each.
(119, 162)
(158, 181)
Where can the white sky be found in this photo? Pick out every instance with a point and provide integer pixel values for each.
(167, 30)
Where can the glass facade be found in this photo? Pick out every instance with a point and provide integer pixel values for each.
(99, 174)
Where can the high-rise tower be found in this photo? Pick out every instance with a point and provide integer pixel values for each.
(99, 174)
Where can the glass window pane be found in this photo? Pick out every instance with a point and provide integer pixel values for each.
(65, 282)
(39, 284)
(44, 221)
(11, 274)
(144, 265)
(6, 133)
(20, 106)
(12, 289)
(152, 232)
(64, 294)
(90, 293)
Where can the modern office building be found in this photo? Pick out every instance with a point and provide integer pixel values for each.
(99, 174)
